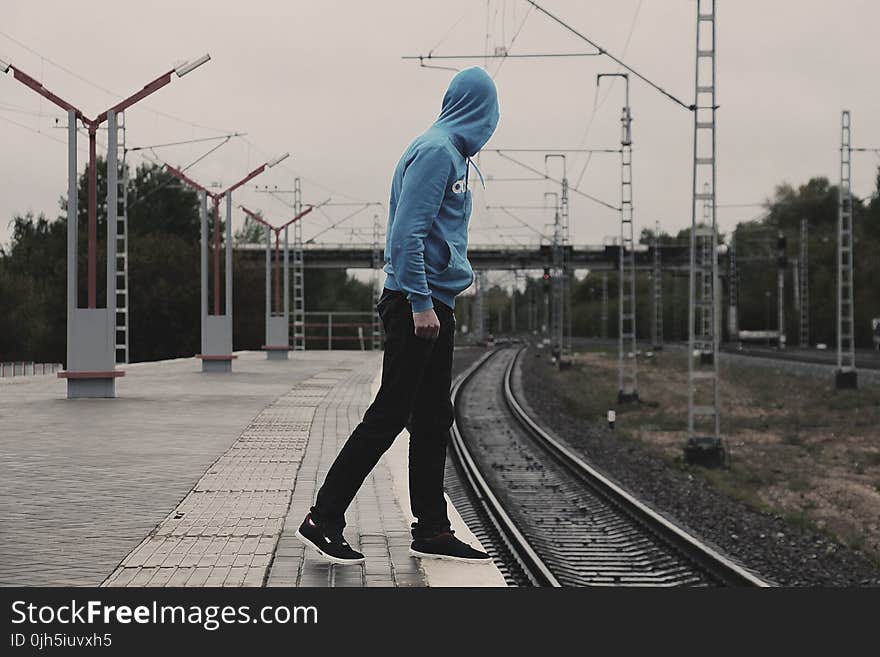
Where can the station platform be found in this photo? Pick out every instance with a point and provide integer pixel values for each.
(192, 479)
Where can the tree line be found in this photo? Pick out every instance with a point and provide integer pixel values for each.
(163, 263)
(164, 276)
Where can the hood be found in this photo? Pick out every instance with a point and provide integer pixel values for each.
(470, 110)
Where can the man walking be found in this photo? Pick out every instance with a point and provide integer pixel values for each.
(427, 267)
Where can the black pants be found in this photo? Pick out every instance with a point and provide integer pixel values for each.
(416, 377)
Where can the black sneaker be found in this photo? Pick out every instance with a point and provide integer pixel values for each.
(446, 546)
(331, 545)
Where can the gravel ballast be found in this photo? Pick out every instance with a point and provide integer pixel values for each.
(786, 553)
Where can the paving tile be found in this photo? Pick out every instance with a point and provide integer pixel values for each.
(375, 514)
(99, 476)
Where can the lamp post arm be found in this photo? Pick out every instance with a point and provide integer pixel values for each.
(296, 218)
(256, 217)
(28, 81)
(177, 173)
(148, 89)
(253, 174)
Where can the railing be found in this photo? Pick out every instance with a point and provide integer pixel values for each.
(28, 368)
(340, 329)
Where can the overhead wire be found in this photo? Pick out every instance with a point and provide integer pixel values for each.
(113, 94)
(597, 104)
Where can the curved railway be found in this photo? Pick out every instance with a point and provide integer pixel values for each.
(547, 515)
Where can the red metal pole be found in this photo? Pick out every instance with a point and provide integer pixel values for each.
(278, 308)
(216, 256)
(93, 217)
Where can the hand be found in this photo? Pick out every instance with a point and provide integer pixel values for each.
(426, 324)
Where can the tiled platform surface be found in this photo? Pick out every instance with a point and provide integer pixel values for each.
(84, 482)
(226, 531)
(376, 523)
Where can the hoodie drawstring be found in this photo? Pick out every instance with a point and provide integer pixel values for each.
(467, 176)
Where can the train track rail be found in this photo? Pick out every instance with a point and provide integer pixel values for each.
(554, 518)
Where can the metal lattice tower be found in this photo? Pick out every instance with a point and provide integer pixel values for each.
(846, 357)
(122, 294)
(804, 287)
(704, 418)
(478, 318)
(565, 273)
(628, 373)
(705, 279)
(780, 292)
(604, 328)
(561, 280)
(732, 291)
(377, 284)
(657, 336)
(513, 303)
(298, 325)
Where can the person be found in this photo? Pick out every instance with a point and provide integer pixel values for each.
(426, 267)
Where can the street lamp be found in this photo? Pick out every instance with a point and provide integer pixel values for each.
(277, 318)
(216, 328)
(91, 356)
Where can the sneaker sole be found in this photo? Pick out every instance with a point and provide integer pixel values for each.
(328, 557)
(447, 557)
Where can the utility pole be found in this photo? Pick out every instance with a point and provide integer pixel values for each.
(479, 317)
(377, 285)
(91, 331)
(513, 305)
(533, 310)
(704, 444)
(628, 372)
(604, 318)
(804, 286)
(298, 325)
(561, 283)
(846, 375)
(705, 279)
(122, 296)
(733, 292)
(781, 266)
(658, 293)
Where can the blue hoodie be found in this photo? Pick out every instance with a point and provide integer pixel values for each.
(427, 235)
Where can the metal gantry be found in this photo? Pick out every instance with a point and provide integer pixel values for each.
(846, 375)
(657, 332)
(298, 324)
(704, 417)
(804, 286)
(123, 297)
(628, 369)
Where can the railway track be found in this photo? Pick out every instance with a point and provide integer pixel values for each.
(553, 519)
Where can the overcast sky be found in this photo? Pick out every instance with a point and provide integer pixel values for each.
(325, 81)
